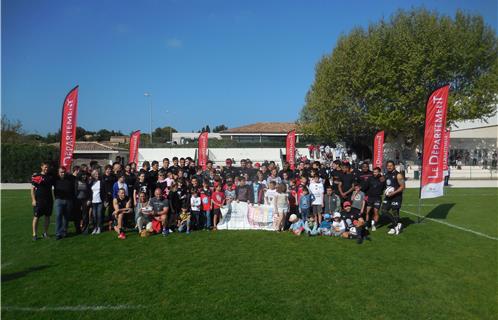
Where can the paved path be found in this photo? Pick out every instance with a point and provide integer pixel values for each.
(409, 184)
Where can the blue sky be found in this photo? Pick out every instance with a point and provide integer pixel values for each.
(204, 62)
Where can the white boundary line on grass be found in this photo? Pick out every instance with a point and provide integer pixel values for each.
(72, 308)
(453, 226)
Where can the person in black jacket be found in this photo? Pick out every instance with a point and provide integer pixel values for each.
(64, 192)
(108, 179)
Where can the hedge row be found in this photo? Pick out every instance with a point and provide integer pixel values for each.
(20, 161)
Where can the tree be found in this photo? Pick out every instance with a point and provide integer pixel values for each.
(379, 78)
(220, 128)
(164, 134)
(11, 130)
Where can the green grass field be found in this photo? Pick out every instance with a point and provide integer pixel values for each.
(430, 271)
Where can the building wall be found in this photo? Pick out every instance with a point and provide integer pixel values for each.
(217, 155)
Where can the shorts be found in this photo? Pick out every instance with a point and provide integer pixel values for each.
(42, 210)
(394, 203)
(217, 212)
(374, 202)
(282, 211)
(316, 209)
(337, 233)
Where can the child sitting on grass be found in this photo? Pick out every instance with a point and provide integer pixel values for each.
(311, 226)
(297, 226)
(325, 226)
(184, 221)
(339, 226)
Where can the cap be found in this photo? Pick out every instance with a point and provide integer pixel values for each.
(292, 218)
(327, 216)
(257, 164)
(346, 204)
(337, 215)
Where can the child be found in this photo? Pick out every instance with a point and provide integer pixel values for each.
(326, 226)
(297, 226)
(331, 201)
(339, 226)
(310, 226)
(305, 203)
(184, 220)
(195, 207)
(281, 207)
(218, 201)
(270, 194)
(358, 200)
(206, 205)
(316, 189)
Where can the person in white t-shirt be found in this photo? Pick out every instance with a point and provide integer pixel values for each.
(316, 189)
(271, 193)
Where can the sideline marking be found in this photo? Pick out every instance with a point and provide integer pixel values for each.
(72, 308)
(452, 225)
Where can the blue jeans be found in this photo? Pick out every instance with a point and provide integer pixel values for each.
(63, 209)
(207, 218)
(304, 213)
(97, 214)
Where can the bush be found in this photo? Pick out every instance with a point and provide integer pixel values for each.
(20, 161)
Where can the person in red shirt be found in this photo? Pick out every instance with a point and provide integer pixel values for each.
(205, 195)
(311, 148)
(218, 200)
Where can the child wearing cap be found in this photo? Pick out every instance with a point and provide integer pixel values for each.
(297, 225)
(325, 226)
(339, 226)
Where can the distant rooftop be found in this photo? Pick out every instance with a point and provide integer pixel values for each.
(263, 127)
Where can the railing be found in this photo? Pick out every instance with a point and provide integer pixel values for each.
(478, 172)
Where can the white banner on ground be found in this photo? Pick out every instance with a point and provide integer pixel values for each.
(243, 216)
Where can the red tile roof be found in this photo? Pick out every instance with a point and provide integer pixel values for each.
(264, 127)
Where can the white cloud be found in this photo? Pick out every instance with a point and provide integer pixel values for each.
(174, 43)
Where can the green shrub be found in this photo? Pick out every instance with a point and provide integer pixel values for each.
(20, 161)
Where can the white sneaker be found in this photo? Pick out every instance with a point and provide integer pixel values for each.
(98, 231)
(391, 231)
(373, 227)
(398, 228)
(94, 231)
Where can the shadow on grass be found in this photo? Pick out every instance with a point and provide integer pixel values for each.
(441, 211)
(16, 275)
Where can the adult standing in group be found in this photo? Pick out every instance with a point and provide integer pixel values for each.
(97, 198)
(375, 186)
(394, 196)
(82, 203)
(65, 193)
(108, 180)
(346, 182)
(41, 199)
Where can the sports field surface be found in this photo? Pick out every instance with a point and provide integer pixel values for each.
(443, 268)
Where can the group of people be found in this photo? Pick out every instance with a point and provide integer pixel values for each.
(316, 198)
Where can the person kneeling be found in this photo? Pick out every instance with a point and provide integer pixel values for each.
(297, 226)
(122, 206)
(160, 207)
(354, 223)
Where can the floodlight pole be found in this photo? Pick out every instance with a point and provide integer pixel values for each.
(148, 96)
